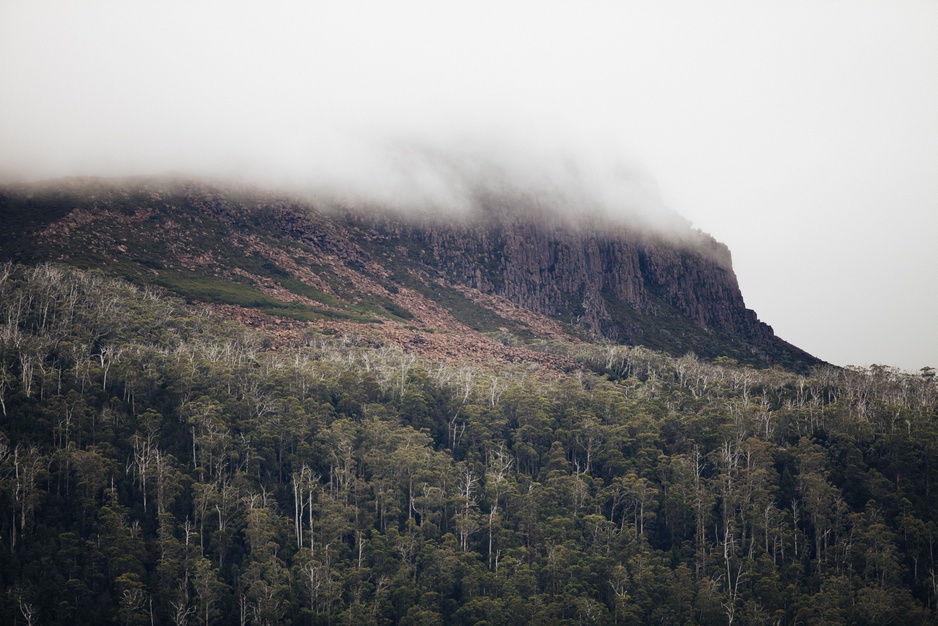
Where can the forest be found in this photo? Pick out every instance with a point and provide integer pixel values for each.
(160, 464)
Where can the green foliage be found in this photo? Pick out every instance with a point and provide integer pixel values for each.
(158, 465)
(459, 306)
(214, 290)
(375, 305)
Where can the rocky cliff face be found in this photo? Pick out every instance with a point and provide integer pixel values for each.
(584, 275)
(509, 268)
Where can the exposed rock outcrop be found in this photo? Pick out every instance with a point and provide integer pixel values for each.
(584, 275)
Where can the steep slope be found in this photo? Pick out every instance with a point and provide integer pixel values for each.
(512, 272)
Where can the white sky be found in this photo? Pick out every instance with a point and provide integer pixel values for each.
(804, 135)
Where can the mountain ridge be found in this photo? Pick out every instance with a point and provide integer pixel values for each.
(516, 271)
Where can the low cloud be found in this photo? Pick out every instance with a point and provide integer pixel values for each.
(466, 178)
(364, 106)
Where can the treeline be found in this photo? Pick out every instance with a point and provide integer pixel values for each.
(161, 465)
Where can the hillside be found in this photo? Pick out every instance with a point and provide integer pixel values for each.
(483, 286)
(163, 464)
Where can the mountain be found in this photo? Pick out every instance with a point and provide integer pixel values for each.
(488, 284)
(430, 424)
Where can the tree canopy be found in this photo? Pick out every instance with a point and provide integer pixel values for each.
(159, 464)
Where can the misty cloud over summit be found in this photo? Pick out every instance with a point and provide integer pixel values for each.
(486, 176)
(409, 106)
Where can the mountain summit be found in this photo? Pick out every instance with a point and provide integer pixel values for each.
(453, 286)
